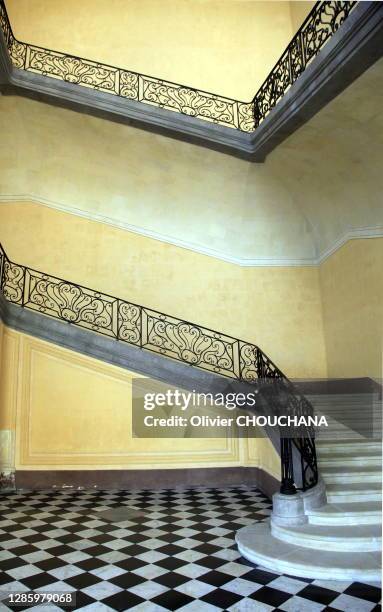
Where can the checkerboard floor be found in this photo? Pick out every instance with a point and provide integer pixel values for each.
(179, 555)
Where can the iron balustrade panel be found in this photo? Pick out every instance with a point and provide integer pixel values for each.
(130, 85)
(188, 101)
(321, 23)
(70, 302)
(181, 340)
(248, 361)
(12, 283)
(190, 343)
(72, 69)
(309, 467)
(325, 20)
(129, 323)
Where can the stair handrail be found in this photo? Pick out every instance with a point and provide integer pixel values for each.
(171, 337)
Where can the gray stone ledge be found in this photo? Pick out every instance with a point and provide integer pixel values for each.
(108, 349)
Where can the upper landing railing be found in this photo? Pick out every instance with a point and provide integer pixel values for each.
(321, 23)
(166, 335)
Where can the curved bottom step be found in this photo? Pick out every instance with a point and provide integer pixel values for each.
(256, 544)
(342, 538)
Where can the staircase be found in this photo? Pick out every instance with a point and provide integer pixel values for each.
(344, 519)
(351, 519)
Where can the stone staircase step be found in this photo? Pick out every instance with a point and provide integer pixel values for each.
(354, 492)
(337, 435)
(345, 406)
(348, 446)
(351, 473)
(360, 457)
(258, 545)
(356, 513)
(361, 399)
(347, 538)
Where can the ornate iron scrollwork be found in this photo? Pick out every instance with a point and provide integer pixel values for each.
(323, 21)
(190, 343)
(129, 322)
(12, 282)
(72, 69)
(72, 303)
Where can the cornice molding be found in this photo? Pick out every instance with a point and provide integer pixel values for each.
(348, 53)
(375, 231)
(372, 231)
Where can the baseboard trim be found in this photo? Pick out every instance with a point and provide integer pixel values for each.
(147, 479)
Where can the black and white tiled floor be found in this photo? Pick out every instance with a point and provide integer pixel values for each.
(180, 555)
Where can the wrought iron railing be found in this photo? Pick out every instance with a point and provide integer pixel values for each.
(169, 336)
(322, 22)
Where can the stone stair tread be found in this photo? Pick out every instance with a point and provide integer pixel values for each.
(351, 469)
(340, 452)
(256, 544)
(361, 395)
(351, 399)
(336, 436)
(350, 441)
(351, 508)
(353, 486)
(334, 532)
(346, 512)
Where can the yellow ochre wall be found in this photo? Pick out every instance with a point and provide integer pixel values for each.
(223, 46)
(277, 308)
(71, 411)
(352, 295)
(299, 10)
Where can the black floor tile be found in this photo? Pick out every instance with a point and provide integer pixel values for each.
(172, 600)
(122, 601)
(270, 596)
(318, 594)
(171, 580)
(215, 578)
(221, 598)
(81, 581)
(126, 581)
(364, 591)
(38, 580)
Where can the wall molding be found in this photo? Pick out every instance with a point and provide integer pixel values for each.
(132, 454)
(374, 231)
(369, 231)
(7, 450)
